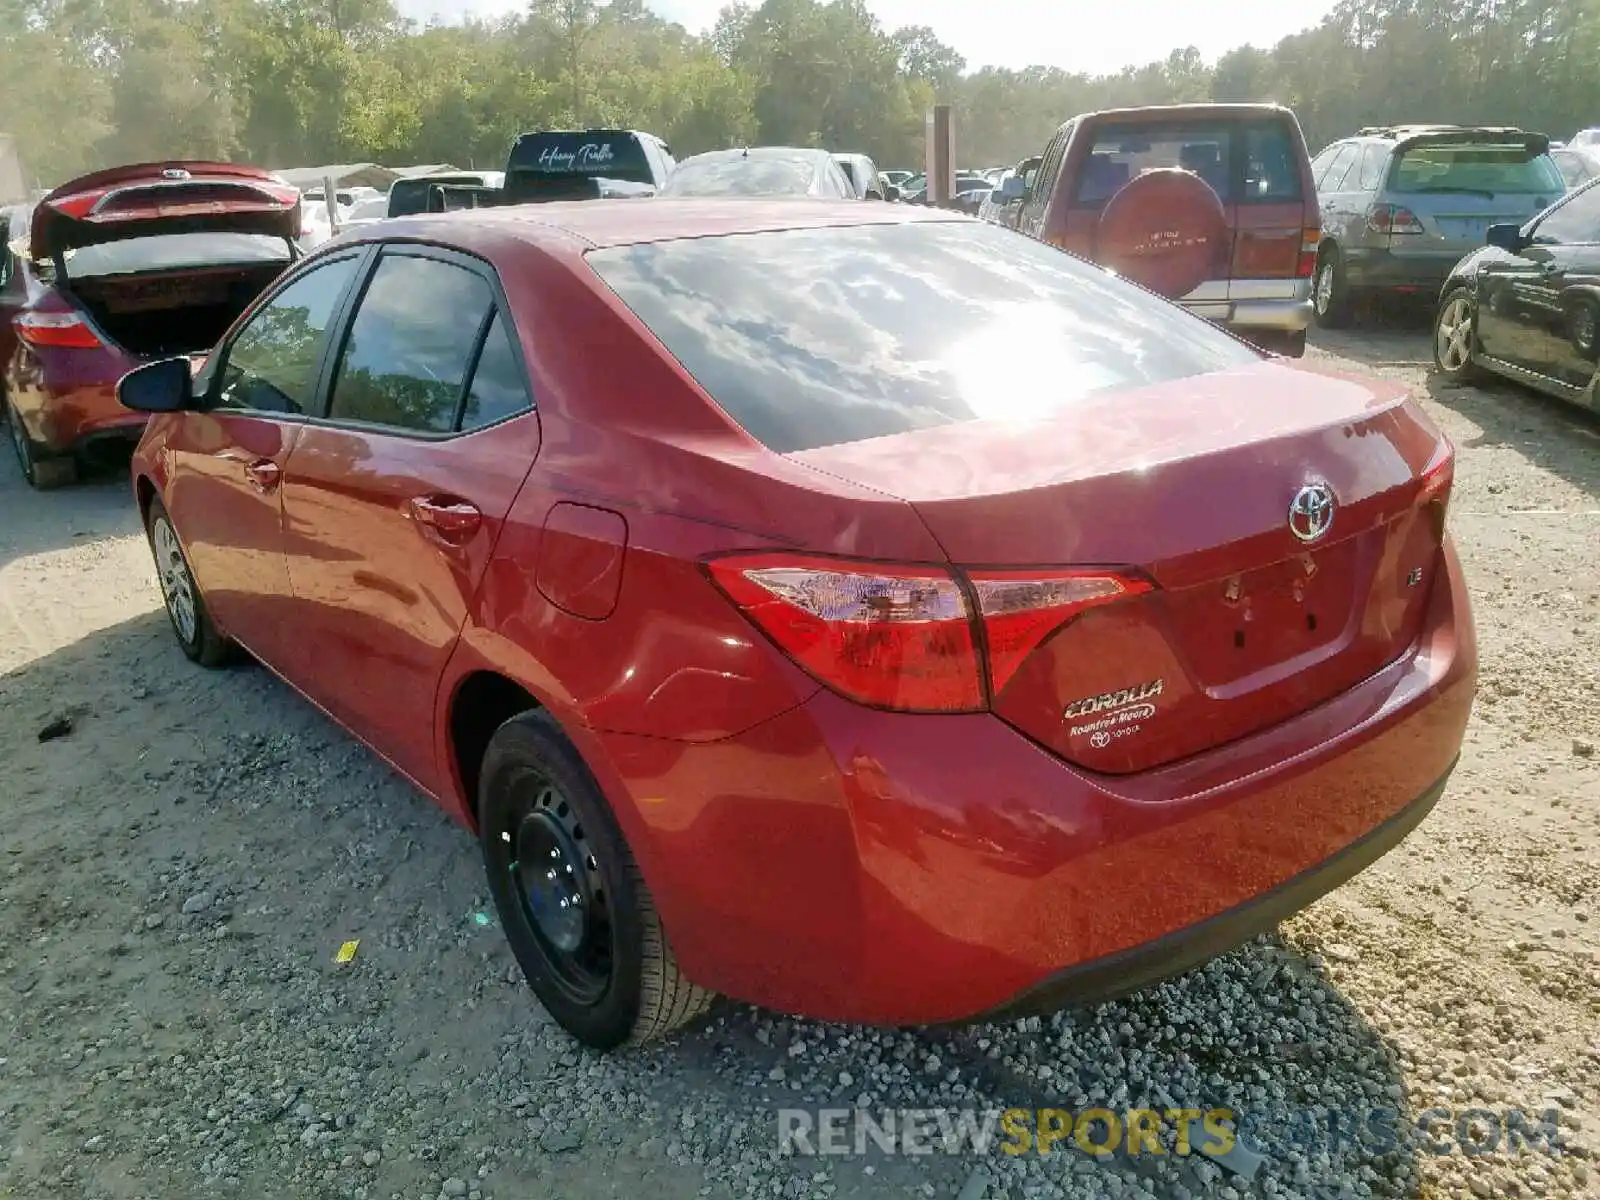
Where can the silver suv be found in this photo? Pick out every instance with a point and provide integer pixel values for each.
(1402, 204)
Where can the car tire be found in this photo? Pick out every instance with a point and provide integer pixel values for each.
(584, 930)
(1330, 291)
(42, 470)
(1452, 336)
(1289, 345)
(186, 609)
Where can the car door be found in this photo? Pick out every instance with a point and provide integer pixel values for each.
(227, 459)
(1529, 302)
(394, 497)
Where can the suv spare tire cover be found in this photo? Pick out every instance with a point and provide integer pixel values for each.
(1165, 230)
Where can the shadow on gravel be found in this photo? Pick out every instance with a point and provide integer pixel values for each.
(99, 505)
(179, 871)
(1551, 434)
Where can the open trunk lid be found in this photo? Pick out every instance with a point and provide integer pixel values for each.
(161, 198)
(1249, 621)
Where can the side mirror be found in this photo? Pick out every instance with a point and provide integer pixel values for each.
(158, 387)
(1012, 190)
(1507, 237)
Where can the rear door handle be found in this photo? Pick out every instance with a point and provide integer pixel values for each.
(264, 474)
(446, 519)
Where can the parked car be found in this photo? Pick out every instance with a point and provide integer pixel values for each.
(117, 268)
(778, 624)
(898, 178)
(1211, 205)
(760, 171)
(916, 189)
(862, 175)
(1586, 139)
(364, 212)
(1526, 306)
(1576, 166)
(407, 197)
(569, 164)
(1002, 211)
(1402, 204)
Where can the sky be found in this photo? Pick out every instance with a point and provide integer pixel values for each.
(1095, 38)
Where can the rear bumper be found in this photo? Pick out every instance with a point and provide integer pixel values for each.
(1267, 305)
(1176, 953)
(884, 868)
(78, 420)
(1373, 270)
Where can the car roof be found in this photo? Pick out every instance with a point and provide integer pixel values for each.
(1210, 112)
(602, 223)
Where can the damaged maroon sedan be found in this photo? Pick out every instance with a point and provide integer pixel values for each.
(692, 554)
(117, 268)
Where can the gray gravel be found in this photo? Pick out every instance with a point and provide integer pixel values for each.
(178, 873)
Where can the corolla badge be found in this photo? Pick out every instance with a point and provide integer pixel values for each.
(1311, 512)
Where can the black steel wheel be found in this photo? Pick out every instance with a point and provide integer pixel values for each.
(575, 908)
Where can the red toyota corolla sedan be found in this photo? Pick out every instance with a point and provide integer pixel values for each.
(861, 611)
(121, 267)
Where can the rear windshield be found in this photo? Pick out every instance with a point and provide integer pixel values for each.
(542, 162)
(1243, 161)
(759, 174)
(851, 333)
(408, 197)
(1497, 169)
(174, 251)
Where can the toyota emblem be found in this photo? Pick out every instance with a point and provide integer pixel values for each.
(1311, 512)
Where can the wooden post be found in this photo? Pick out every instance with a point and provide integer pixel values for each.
(941, 155)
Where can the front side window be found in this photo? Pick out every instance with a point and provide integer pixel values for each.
(405, 361)
(271, 366)
(1576, 222)
(868, 331)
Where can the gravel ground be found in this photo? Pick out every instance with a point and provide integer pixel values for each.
(179, 868)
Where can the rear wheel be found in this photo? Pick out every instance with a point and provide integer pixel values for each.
(186, 608)
(42, 470)
(1290, 345)
(1330, 291)
(575, 908)
(1452, 336)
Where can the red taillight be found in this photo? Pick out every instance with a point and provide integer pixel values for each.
(905, 638)
(1437, 483)
(1022, 608)
(59, 329)
(1306, 266)
(890, 637)
(1392, 218)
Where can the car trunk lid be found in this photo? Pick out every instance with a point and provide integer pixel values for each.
(1455, 183)
(1247, 623)
(158, 198)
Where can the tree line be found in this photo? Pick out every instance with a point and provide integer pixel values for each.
(285, 83)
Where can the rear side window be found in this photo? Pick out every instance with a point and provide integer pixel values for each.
(1339, 170)
(1496, 169)
(1374, 158)
(1271, 163)
(498, 389)
(406, 358)
(846, 334)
